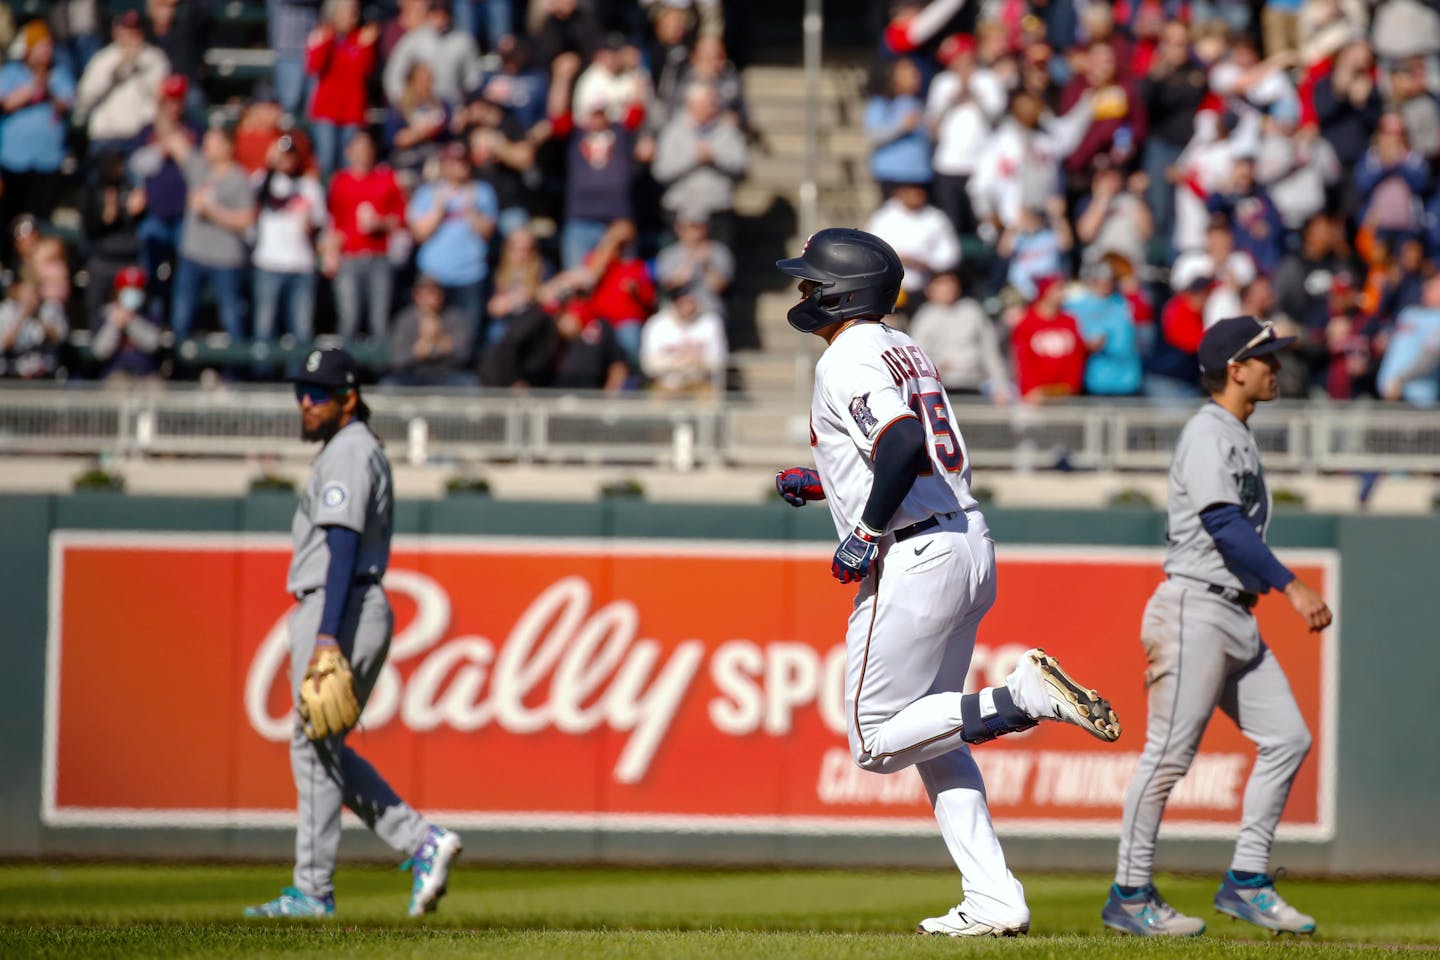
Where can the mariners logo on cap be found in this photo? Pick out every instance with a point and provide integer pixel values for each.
(312, 363)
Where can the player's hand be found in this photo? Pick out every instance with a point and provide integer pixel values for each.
(854, 556)
(1309, 604)
(327, 694)
(799, 485)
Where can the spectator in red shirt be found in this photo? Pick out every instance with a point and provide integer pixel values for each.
(261, 125)
(366, 206)
(618, 283)
(340, 54)
(624, 294)
(1049, 350)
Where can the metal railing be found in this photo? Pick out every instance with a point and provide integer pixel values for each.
(497, 426)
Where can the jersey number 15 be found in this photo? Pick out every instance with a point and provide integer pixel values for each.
(931, 407)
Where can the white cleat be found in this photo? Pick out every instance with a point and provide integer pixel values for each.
(1069, 702)
(957, 924)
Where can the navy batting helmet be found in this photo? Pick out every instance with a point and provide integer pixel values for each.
(858, 276)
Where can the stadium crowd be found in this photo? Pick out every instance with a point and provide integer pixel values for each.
(384, 184)
(503, 193)
(1136, 171)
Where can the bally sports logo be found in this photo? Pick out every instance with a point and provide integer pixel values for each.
(560, 668)
(548, 683)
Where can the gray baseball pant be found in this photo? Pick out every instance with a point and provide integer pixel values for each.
(328, 774)
(1204, 652)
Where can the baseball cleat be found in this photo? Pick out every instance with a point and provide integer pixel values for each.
(1256, 901)
(430, 867)
(957, 924)
(1146, 914)
(1072, 703)
(293, 903)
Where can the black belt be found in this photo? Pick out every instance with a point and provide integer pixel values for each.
(1244, 598)
(929, 523)
(360, 580)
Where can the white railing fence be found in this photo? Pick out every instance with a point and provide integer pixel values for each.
(435, 426)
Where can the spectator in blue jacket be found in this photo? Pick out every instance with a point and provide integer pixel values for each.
(1347, 103)
(1412, 357)
(895, 127)
(1391, 181)
(1258, 228)
(36, 95)
(453, 218)
(1107, 322)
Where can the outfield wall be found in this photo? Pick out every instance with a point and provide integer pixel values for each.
(632, 682)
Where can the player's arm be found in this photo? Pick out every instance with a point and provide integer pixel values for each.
(1241, 547)
(340, 512)
(344, 548)
(899, 454)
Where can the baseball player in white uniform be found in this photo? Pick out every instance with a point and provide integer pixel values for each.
(891, 463)
(1204, 647)
(342, 546)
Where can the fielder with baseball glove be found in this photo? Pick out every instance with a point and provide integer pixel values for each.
(339, 635)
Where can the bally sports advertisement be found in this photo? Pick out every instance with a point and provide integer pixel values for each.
(608, 684)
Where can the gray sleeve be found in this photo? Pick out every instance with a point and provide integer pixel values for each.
(461, 338)
(402, 338)
(674, 153)
(667, 261)
(393, 79)
(996, 372)
(730, 152)
(722, 261)
(344, 483)
(144, 334)
(1206, 463)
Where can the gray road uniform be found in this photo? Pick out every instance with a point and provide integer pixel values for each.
(349, 487)
(1204, 650)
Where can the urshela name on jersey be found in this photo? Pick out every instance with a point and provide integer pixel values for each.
(908, 363)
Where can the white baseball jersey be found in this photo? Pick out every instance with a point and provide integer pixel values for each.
(869, 377)
(912, 629)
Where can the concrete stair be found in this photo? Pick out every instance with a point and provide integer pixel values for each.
(775, 372)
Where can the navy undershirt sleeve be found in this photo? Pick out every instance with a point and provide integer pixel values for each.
(899, 457)
(1241, 546)
(344, 545)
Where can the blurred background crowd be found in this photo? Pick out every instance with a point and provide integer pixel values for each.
(500, 193)
(1132, 172)
(382, 183)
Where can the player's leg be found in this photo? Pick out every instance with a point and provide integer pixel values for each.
(1260, 701)
(1185, 676)
(319, 787)
(915, 614)
(994, 903)
(430, 848)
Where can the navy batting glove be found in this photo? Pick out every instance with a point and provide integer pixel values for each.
(853, 558)
(799, 485)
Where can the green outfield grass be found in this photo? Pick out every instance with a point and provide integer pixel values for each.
(132, 911)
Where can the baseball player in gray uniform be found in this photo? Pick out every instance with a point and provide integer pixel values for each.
(1205, 650)
(342, 532)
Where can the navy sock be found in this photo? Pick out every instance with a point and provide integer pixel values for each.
(1245, 876)
(1127, 891)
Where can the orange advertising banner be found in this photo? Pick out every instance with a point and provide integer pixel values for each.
(620, 684)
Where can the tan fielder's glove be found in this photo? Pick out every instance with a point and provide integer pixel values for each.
(327, 695)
